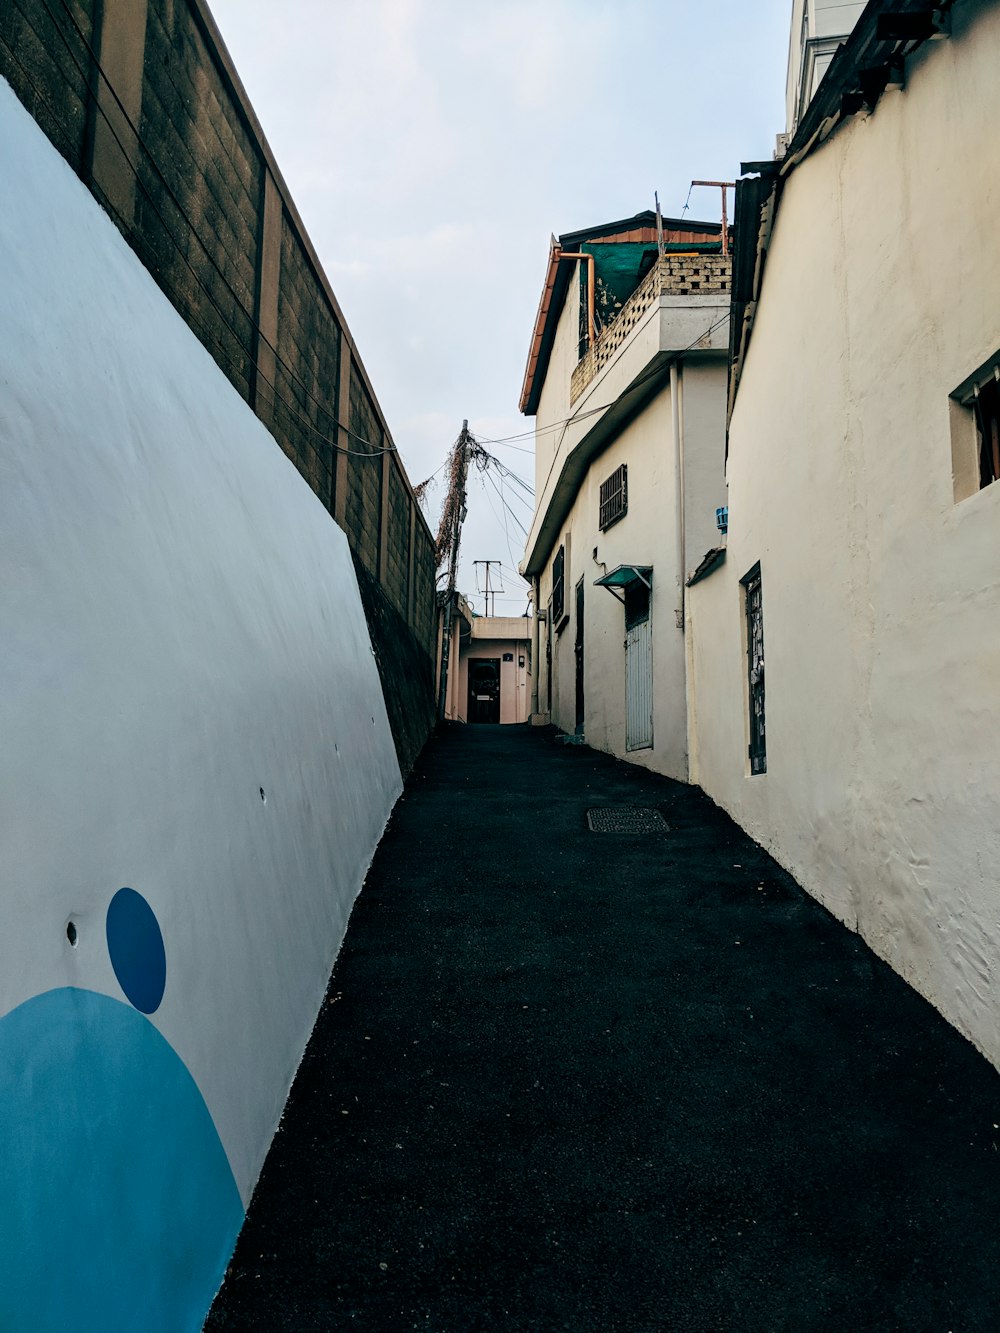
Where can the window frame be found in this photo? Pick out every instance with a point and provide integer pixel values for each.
(975, 431)
(609, 513)
(559, 586)
(753, 594)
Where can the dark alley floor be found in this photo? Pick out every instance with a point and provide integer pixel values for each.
(602, 1082)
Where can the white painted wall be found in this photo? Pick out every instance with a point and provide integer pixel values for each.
(182, 628)
(645, 536)
(881, 594)
(554, 406)
(817, 26)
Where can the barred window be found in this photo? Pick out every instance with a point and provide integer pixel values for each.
(755, 668)
(614, 497)
(558, 582)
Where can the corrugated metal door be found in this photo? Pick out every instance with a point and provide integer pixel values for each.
(639, 686)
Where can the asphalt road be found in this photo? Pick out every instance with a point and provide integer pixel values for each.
(602, 1082)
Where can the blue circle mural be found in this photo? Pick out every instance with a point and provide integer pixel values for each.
(120, 1210)
(136, 948)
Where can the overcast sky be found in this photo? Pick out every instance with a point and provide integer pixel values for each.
(432, 147)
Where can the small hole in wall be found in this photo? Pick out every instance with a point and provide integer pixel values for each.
(373, 722)
(71, 934)
(262, 796)
(336, 748)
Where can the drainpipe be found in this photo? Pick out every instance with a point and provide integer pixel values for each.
(589, 261)
(681, 554)
(675, 415)
(535, 643)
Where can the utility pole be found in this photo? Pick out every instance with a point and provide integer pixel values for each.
(487, 563)
(448, 538)
(723, 186)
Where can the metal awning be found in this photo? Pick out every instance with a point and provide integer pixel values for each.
(624, 576)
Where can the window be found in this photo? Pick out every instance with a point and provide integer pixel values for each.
(986, 409)
(558, 585)
(614, 497)
(755, 669)
(975, 431)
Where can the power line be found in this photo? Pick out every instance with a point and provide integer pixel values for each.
(593, 411)
(375, 450)
(507, 508)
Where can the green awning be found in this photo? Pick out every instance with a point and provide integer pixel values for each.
(622, 575)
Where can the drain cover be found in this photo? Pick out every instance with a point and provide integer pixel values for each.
(626, 819)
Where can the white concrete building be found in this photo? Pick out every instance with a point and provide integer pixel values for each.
(864, 523)
(818, 28)
(628, 393)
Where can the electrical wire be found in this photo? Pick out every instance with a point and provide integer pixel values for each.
(507, 509)
(374, 450)
(593, 411)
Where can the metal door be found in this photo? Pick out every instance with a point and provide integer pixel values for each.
(548, 659)
(484, 689)
(639, 685)
(755, 670)
(578, 649)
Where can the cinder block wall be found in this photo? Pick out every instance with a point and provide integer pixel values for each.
(142, 99)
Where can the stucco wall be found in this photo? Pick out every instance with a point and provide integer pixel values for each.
(880, 593)
(191, 711)
(812, 20)
(645, 536)
(553, 401)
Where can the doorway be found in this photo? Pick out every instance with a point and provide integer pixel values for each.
(638, 668)
(578, 649)
(484, 689)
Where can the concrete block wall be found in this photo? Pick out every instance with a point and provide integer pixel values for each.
(364, 495)
(307, 369)
(684, 275)
(51, 76)
(142, 100)
(396, 543)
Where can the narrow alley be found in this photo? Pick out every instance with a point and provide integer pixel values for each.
(596, 1081)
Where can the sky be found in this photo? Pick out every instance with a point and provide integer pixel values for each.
(433, 146)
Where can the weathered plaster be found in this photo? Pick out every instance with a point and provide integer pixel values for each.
(880, 592)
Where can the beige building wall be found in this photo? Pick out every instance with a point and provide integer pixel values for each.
(493, 637)
(881, 590)
(554, 400)
(817, 28)
(647, 535)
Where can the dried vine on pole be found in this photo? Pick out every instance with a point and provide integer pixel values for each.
(449, 534)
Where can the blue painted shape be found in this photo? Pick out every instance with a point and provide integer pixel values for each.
(118, 1207)
(136, 948)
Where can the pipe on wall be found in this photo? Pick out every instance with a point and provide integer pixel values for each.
(589, 261)
(535, 643)
(678, 440)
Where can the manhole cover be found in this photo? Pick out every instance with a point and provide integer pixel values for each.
(626, 819)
